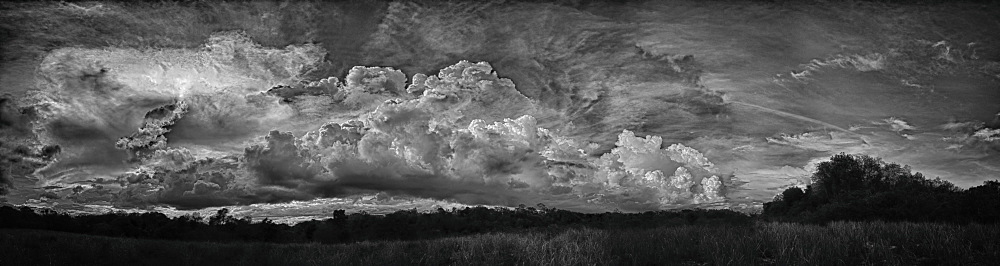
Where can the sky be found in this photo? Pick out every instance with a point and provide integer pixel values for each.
(379, 106)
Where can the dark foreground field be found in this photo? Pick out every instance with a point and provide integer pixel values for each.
(841, 243)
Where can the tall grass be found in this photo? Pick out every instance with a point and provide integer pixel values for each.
(842, 243)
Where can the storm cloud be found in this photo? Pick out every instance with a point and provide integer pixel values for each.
(451, 138)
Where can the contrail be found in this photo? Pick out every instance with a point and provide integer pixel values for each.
(797, 117)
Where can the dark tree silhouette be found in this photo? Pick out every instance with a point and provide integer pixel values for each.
(793, 195)
(860, 187)
(343, 227)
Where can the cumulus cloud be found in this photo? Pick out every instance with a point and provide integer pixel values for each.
(150, 136)
(235, 123)
(376, 80)
(502, 163)
(401, 138)
(467, 91)
(280, 162)
(464, 134)
(456, 140)
(673, 175)
(199, 183)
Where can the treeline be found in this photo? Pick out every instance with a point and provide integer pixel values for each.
(845, 188)
(345, 228)
(863, 188)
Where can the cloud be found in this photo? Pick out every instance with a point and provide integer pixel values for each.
(467, 91)
(20, 151)
(252, 130)
(575, 66)
(328, 87)
(235, 49)
(987, 135)
(896, 124)
(89, 98)
(668, 176)
(187, 184)
(963, 152)
(15, 120)
(280, 162)
(973, 135)
(399, 141)
(863, 63)
(374, 80)
(13, 123)
(452, 142)
(229, 118)
(150, 136)
(820, 141)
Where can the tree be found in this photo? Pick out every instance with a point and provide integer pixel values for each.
(860, 187)
(340, 215)
(984, 201)
(220, 218)
(792, 195)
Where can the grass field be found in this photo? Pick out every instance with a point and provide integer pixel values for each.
(762, 244)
